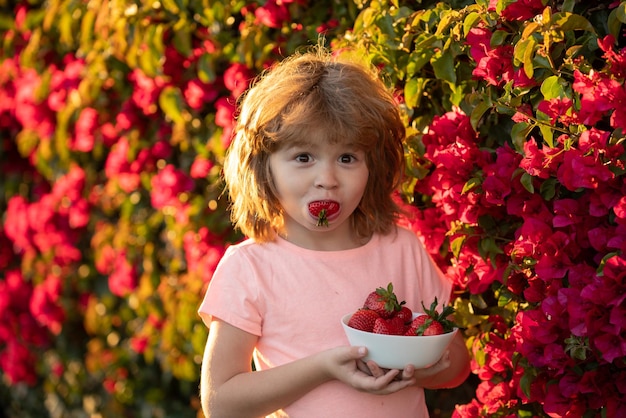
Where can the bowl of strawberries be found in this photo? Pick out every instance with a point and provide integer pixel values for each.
(395, 335)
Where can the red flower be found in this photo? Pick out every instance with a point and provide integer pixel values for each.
(582, 171)
(45, 306)
(198, 94)
(146, 91)
(273, 14)
(237, 78)
(86, 126)
(203, 251)
(167, 185)
(123, 278)
(522, 10)
(200, 168)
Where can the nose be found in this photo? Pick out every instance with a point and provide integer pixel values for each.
(326, 177)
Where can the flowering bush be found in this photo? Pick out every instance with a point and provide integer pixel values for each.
(114, 122)
(517, 164)
(111, 219)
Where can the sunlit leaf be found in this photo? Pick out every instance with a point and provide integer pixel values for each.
(443, 64)
(569, 21)
(552, 87)
(171, 102)
(477, 113)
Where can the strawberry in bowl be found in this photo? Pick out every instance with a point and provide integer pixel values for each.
(394, 335)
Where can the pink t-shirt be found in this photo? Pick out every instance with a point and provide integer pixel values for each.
(293, 299)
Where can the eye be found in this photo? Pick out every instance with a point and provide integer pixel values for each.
(347, 158)
(303, 158)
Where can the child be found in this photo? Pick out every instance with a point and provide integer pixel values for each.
(315, 134)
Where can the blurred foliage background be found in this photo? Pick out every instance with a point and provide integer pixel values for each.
(114, 118)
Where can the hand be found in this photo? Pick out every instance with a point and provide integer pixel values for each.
(422, 376)
(346, 364)
(409, 373)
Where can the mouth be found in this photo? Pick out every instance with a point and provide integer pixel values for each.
(323, 210)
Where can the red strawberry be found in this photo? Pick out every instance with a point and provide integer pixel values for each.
(389, 326)
(322, 209)
(415, 325)
(433, 322)
(383, 301)
(405, 313)
(363, 319)
(424, 325)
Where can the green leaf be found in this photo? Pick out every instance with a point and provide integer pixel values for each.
(568, 5)
(471, 184)
(527, 181)
(523, 55)
(552, 87)
(547, 134)
(410, 92)
(206, 70)
(569, 21)
(525, 382)
(470, 22)
(499, 37)
(171, 102)
(456, 245)
(519, 132)
(444, 66)
(417, 60)
(477, 113)
(548, 189)
(616, 18)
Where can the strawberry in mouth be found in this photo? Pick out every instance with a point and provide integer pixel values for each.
(322, 209)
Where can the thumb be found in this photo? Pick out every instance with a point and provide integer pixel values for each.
(358, 352)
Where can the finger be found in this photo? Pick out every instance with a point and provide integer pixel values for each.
(363, 367)
(408, 372)
(375, 369)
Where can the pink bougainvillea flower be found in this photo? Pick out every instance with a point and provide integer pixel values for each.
(497, 184)
(522, 10)
(16, 226)
(272, 14)
(139, 343)
(479, 40)
(86, 126)
(598, 95)
(470, 410)
(33, 115)
(616, 61)
(582, 171)
(64, 81)
(557, 109)
(18, 363)
(237, 78)
(123, 277)
(200, 167)
(124, 170)
(494, 396)
(167, 185)
(203, 250)
(198, 94)
(523, 114)
(225, 118)
(521, 80)
(496, 68)
(146, 91)
(45, 304)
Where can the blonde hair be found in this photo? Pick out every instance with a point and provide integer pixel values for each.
(333, 98)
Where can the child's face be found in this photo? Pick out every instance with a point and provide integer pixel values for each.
(316, 176)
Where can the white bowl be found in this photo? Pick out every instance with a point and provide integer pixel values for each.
(397, 351)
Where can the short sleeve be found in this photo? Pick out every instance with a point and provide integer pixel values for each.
(232, 294)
